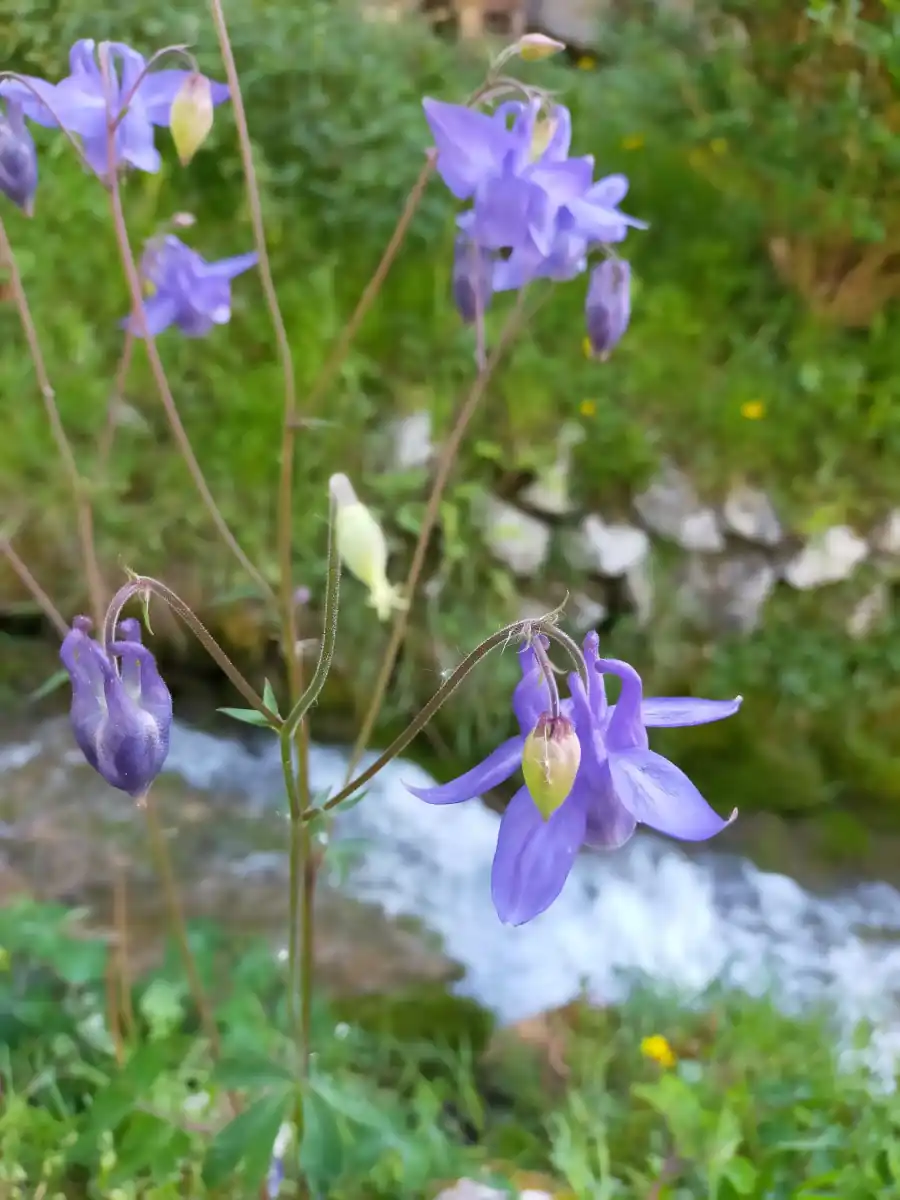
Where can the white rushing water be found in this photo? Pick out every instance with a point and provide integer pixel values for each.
(646, 911)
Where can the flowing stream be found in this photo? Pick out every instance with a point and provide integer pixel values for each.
(650, 911)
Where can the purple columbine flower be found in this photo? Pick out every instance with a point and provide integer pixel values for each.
(186, 290)
(18, 159)
(121, 710)
(620, 782)
(607, 307)
(528, 196)
(83, 107)
(473, 269)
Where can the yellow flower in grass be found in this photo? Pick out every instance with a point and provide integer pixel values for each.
(586, 62)
(634, 141)
(588, 408)
(753, 410)
(658, 1049)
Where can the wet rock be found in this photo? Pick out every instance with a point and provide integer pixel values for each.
(749, 512)
(67, 837)
(829, 558)
(671, 508)
(886, 539)
(640, 591)
(870, 611)
(586, 611)
(727, 594)
(521, 542)
(469, 1189)
(549, 493)
(411, 441)
(611, 549)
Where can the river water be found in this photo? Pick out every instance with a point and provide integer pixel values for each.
(650, 912)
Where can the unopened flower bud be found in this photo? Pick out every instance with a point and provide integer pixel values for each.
(191, 117)
(535, 46)
(121, 710)
(18, 159)
(608, 304)
(362, 546)
(473, 273)
(550, 762)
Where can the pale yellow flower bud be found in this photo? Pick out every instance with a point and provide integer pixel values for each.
(550, 762)
(535, 46)
(191, 118)
(361, 544)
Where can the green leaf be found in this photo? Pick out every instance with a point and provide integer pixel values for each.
(245, 1144)
(249, 716)
(269, 698)
(56, 680)
(741, 1174)
(251, 1071)
(322, 1154)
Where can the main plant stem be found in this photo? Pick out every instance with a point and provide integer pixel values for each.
(445, 466)
(80, 495)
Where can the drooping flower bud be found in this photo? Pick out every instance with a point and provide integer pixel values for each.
(121, 710)
(473, 272)
(550, 762)
(535, 46)
(608, 304)
(18, 159)
(191, 117)
(361, 544)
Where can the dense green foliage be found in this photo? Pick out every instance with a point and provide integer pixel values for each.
(763, 281)
(118, 1101)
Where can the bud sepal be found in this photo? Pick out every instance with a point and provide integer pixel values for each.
(550, 761)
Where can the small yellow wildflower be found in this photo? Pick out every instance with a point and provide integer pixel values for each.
(634, 141)
(753, 410)
(657, 1047)
(719, 146)
(588, 408)
(586, 62)
(586, 348)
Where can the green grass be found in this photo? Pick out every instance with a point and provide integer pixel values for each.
(720, 162)
(408, 1091)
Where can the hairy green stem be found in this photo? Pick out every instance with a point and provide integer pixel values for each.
(329, 637)
(84, 513)
(140, 585)
(445, 466)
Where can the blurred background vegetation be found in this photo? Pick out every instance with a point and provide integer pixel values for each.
(762, 142)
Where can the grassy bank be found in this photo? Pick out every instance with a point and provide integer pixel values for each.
(722, 329)
(110, 1092)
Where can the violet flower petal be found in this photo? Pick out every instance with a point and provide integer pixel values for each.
(470, 145)
(531, 696)
(229, 268)
(35, 100)
(132, 747)
(88, 669)
(141, 674)
(673, 712)
(609, 823)
(660, 795)
(534, 857)
(497, 767)
(159, 311)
